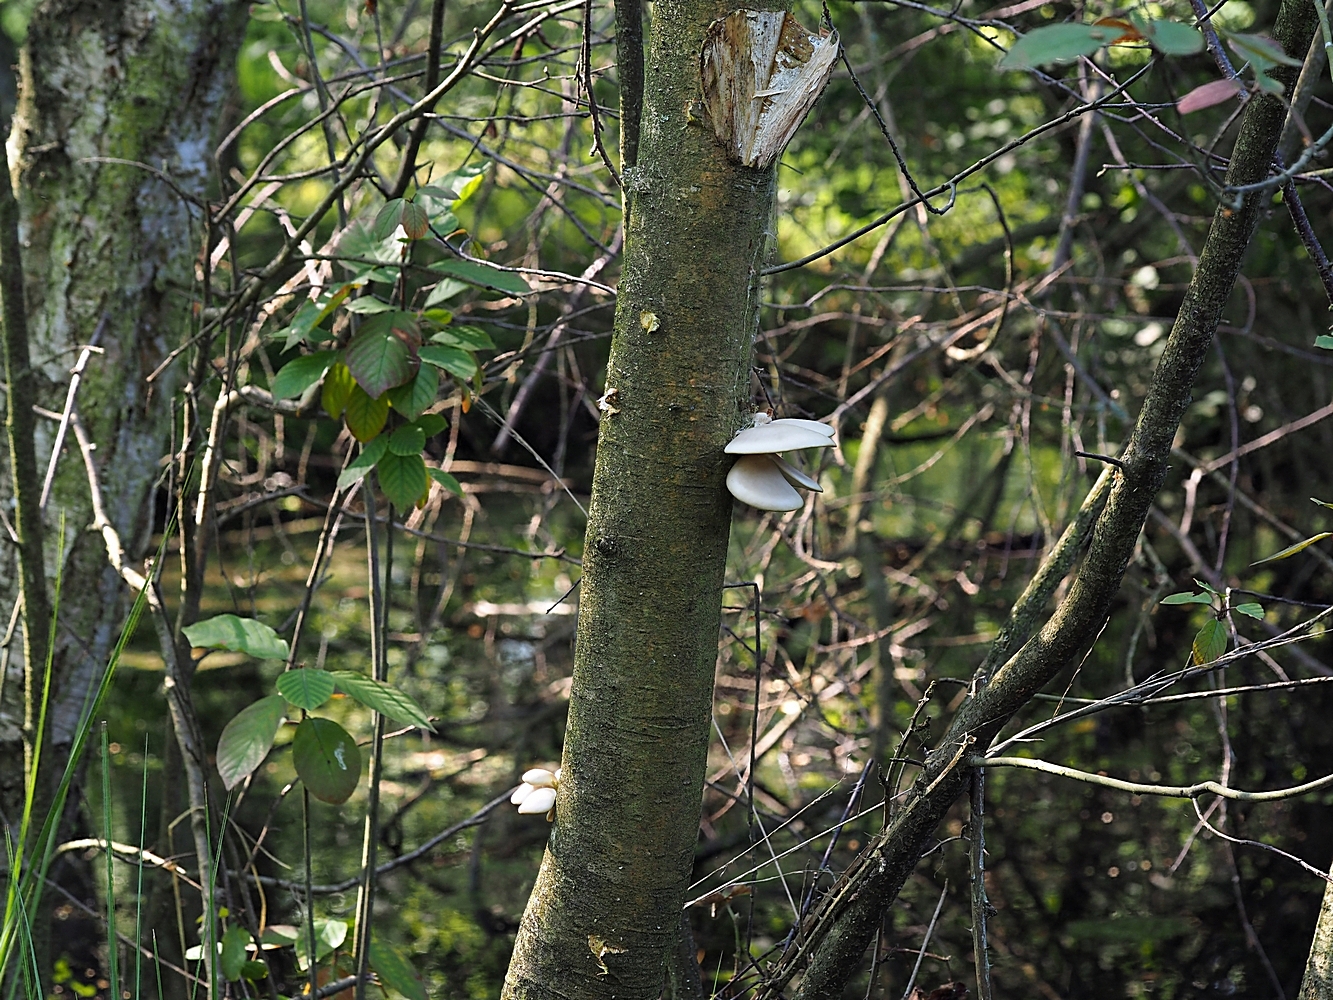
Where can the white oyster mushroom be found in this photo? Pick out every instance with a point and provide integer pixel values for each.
(538, 801)
(761, 477)
(539, 777)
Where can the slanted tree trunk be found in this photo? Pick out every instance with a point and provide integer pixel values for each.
(605, 913)
(109, 251)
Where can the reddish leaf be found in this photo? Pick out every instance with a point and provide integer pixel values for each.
(1208, 95)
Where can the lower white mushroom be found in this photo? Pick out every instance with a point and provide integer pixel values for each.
(537, 793)
(758, 481)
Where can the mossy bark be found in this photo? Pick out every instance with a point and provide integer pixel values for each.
(605, 912)
(109, 246)
(1317, 983)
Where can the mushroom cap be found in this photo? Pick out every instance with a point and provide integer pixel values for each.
(538, 801)
(757, 480)
(539, 777)
(780, 435)
(521, 793)
(794, 476)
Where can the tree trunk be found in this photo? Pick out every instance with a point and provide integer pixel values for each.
(605, 912)
(1317, 984)
(109, 249)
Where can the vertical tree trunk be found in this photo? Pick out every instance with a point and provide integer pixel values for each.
(108, 247)
(605, 911)
(1317, 984)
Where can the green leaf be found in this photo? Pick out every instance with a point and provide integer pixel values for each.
(1171, 38)
(247, 739)
(305, 687)
(1253, 609)
(451, 359)
(382, 356)
(403, 479)
(365, 416)
(245, 635)
(444, 290)
(431, 424)
(329, 934)
(338, 386)
(437, 192)
(388, 218)
(471, 338)
(299, 374)
(364, 462)
(1324, 341)
(1211, 642)
(413, 398)
(445, 480)
(1205, 587)
(383, 698)
(234, 944)
(368, 305)
(1057, 43)
(1260, 51)
(415, 222)
(254, 970)
(475, 273)
(1322, 503)
(360, 242)
(395, 971)
(1187, 599)
(407, 440)
(1268, 85)
(1291, 550)
(327, 759)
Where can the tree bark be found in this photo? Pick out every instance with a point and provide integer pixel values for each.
(110, 246)
(1317, 984)
(605, 912)
(834, 936)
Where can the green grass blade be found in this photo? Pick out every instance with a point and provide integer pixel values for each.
(112, 945)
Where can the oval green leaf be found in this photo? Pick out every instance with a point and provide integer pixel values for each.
(1171, 38)
(364, 462)
(402, 478)
(395, 971)
(407, 440)
(485, 276)
(1291, 550)
(365, 416)
(452, 359)
(247, 738)
(1211, 642)
(1253, 609)
(388, 218)
(305, 687)
(444, 479)
(1057, 43)
(234, 944)
(415, 222)
(431, 424)
(383, 698)
(299, 374)
(243, 635)
(379, 359)
(1187, 599)
(466, 336)
(338, 386)
(327, 760)
(412, 399)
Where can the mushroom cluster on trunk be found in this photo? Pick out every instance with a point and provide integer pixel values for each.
(761, 477)
(537, 793)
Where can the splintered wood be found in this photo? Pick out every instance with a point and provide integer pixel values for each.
(761, 73)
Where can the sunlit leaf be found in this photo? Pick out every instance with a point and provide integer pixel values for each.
(365, 416)
(1187, 599)
(1253, 609)
(1209, 94)
(327, 759)
(1211, 642)
(368, 305)
(444, 479)
(364, 462)
(444, 290)
(306, 687)
(329, 934)
(454, 360)
(395, 971)
(1057, 43)
(244, 635)
(299, 374)
(402, 478)
(383, 698)
(1324, 341)
(388, 218)
(1291, 550)
(247, 739)
(338, 386)
(481, 274)
(415, 222)
(1171, 38)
